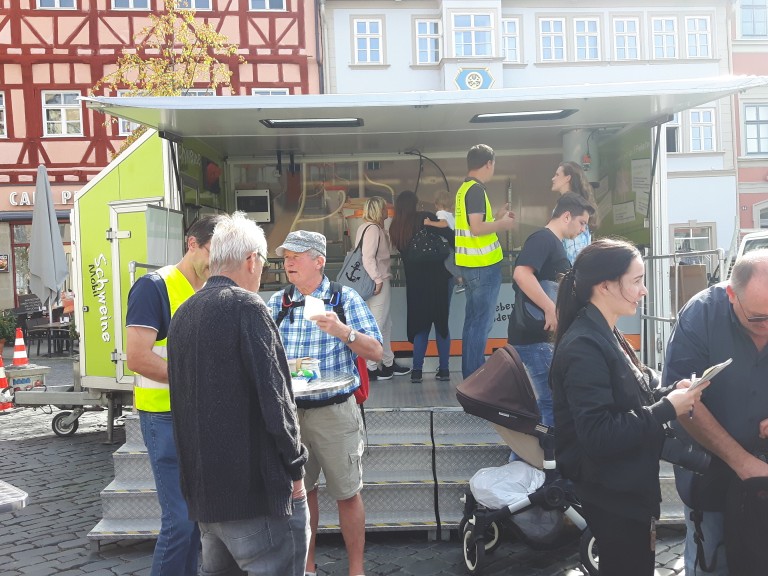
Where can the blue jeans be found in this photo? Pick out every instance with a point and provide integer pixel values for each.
(262, 546)
(483, 285)
(714, 544)
(537, 359)
(420, 342)
(178, 544)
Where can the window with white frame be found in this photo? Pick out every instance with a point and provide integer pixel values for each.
(278, 5)
(672, 129)
(428, 42)
(664, 38)
(626, 38)
(552, 39)
(269, 91)
(3, 130)
(697, 38)
(702, 129)
(62, 114)
(125, 127)
(756, 128)
(130, 4)
(694, 238)
(194, 4)
(510, 39)
(587, 38)
(368, 39)
(754, 18)
(762, 216)
(56, 4)
(472, 35)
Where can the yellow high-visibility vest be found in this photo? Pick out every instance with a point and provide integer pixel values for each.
(150, 395)
(474, 251)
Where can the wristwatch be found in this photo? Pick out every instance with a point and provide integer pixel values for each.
(352, 336)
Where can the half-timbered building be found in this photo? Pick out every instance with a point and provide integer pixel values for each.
(53, 51)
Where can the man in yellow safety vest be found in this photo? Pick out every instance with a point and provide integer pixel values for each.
(479, 254)
(152, 301)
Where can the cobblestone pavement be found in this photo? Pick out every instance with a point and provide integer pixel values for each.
(63, 477)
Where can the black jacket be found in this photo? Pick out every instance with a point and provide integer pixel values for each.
(426, 287)
(608, 422)
(234, 415)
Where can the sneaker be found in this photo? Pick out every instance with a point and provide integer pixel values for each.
(398, 370)
(384, 373)
(443, 375)
(416, 376)
(460, 288)
(373, 375)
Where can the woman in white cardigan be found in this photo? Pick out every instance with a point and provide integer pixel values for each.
(376, 259)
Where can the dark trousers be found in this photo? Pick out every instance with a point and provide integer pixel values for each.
(624, 545)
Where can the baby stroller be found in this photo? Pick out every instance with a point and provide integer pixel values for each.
(518, 497)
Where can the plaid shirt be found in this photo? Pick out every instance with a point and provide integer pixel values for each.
(304, 339)
(576, 245)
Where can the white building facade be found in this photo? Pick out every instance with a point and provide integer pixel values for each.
(402, 45)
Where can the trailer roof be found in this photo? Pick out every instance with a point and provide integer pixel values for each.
(432, 122)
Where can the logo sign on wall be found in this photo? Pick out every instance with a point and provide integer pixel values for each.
(474, 79)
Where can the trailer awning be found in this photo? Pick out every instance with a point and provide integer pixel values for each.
(432, 122)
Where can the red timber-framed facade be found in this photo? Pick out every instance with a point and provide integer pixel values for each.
(52, 51)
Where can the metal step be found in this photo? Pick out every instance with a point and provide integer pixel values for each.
(133, 430)
(113, 529)
(388, 505)
(131, 463)
(130, 500)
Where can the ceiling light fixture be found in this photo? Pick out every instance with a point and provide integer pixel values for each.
(313, 123)
(523, 116)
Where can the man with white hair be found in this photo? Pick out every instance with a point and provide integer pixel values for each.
(235, 418)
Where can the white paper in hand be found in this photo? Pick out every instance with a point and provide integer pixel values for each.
(710, 373)
(313, 307)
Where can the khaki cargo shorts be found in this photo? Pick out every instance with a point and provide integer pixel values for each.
(334, 437)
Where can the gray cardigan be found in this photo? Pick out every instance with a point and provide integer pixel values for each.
(234, 414)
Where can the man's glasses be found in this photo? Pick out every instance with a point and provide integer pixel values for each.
(264, 261)
(755, 319)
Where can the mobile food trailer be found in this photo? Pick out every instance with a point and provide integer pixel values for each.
(308, 162)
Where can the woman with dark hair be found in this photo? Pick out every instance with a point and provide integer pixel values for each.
(427, 286)
(609, 412)
(569, 177)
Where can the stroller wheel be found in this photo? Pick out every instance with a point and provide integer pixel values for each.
(474, 551)
(588, 552)
(492, 537)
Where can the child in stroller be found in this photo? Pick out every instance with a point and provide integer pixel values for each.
(527, 497)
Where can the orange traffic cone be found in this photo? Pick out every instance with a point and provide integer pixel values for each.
(20, 350)
(4, 393)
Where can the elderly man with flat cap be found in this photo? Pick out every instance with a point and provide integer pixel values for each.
(331, 427)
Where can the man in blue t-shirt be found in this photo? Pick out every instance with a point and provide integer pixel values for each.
(151, 302)
(543, 258)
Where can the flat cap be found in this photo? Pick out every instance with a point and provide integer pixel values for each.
(301, 241)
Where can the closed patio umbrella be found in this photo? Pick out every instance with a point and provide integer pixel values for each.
(47, 262)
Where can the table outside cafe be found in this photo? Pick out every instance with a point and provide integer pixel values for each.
(38, 326)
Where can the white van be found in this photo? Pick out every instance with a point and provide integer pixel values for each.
(752, 241)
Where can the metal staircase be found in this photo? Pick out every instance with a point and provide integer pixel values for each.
(416, 466)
